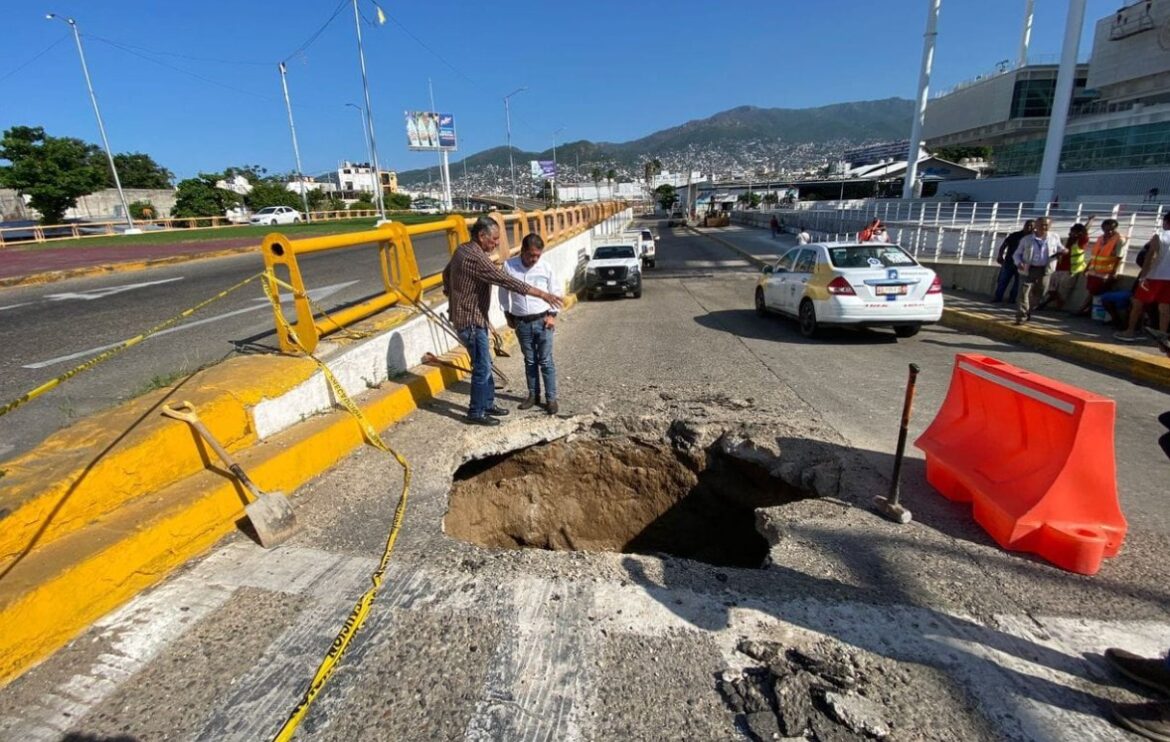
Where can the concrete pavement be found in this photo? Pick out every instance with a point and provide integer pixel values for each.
(955, 638)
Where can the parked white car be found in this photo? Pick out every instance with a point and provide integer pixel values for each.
(649, 243)
(276, 215)
(847, 283)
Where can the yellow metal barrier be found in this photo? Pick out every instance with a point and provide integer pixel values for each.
(400, 271)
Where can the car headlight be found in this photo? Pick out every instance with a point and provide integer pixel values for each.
(591, 271)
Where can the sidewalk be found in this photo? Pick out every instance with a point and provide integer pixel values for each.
(1056, 332)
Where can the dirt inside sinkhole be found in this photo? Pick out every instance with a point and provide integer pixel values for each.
(617, 494)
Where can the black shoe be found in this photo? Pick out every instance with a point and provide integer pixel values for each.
(528, 403)
(1153, 673)
(552, 407)
(1150, 720)
(495, 410)
(485, 420)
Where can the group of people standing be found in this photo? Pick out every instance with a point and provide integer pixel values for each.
(1039, 268)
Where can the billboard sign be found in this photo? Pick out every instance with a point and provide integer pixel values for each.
(543, 169)
(427, 131)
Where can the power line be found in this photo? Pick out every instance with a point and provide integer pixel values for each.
(304, 47)
(181, 56)
(189, 73)
(39, 54)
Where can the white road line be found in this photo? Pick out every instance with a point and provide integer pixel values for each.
(108, 290)
(315, 294)
(14, 306)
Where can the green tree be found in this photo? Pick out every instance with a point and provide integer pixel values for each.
(665, 195)
(318, 199)
(272, 194)
(362, 204)
(610, 176)
(199, 197)
(52, 171)
(254, 173)
(771, 199)
(751, 199)
(143, 210)
(399, 201)
(595, 175)
(135, 170)
(335, 204)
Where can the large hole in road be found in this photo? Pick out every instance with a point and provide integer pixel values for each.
(617, 494)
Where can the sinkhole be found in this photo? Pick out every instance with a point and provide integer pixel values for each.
(617, 494)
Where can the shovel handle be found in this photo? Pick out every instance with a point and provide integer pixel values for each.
(184, 411)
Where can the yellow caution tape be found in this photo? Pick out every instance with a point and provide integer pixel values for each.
(361, 609)
(52, 383)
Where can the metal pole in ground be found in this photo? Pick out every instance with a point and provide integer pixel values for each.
(888, 506)
(296, 148)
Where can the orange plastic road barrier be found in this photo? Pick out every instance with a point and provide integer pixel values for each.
(1034, 457)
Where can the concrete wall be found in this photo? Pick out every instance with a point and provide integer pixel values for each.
(100, 205)
(374, 361)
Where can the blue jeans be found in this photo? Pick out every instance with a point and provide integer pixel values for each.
(536, 343)
(1008, 273)
(483, 389)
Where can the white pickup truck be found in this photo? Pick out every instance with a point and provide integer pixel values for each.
(649, 243)
(614, 269)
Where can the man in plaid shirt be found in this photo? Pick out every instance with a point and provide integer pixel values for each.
(467, 281)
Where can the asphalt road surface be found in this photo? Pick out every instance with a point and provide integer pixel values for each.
(474, 643)
(48, 329)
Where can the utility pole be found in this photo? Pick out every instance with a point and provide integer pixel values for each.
(379, 197)
(130, 228)
(555, 171)
(365, 132)
(923, 90)
(296, 149)
(508, 120)
(1050, 165)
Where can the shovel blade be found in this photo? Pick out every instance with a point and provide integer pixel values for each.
(273, 518)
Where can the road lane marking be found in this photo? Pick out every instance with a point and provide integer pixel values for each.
(107, 291)
(14, 306)
(315, 294)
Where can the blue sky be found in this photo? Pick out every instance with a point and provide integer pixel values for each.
(195, 85)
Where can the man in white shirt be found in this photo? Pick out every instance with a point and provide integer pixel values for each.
(803, 237)
(534, 321)
(1034, 258)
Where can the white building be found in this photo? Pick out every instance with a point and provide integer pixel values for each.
(355, 178)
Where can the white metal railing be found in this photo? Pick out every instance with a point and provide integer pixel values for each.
(958, 231)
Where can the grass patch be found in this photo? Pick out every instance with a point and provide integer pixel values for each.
(257, 232)
(160, 381)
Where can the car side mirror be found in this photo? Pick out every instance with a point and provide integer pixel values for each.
(768, 269)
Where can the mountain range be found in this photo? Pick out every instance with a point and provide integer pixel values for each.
(725, 135)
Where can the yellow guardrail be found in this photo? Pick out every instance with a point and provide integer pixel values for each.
(399, 266)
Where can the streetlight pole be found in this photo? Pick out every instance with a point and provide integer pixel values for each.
(365, 131)
(130, 228)
(928, 39)
(296, 148)
(508, 119)
(556, 200)
(379, 199)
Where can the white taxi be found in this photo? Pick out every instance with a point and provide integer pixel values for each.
(847, 283)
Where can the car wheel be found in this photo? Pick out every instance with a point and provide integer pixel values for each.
(638, 292)
(272, 223)
(296, 219)
(907, 331)
(761, 305)
(808, 319)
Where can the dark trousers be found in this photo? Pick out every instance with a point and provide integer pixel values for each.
(1008, 273)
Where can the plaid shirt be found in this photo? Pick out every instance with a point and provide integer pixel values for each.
(467, 280)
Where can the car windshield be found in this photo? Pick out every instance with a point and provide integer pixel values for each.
(614, 251)
(869, 256)
(646, 235)
(267, 210)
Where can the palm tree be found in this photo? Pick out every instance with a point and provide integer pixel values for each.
(595, 174)
(610, 175)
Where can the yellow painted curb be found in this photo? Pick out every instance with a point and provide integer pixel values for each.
(124, 267)
(1146, 367)
(56, 592)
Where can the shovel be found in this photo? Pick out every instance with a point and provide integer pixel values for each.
(270, 513)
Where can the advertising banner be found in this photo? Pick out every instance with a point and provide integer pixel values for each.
(427, 131)
(543, 169)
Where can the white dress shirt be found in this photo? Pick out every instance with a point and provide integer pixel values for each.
(540, 276)
(1038, 251)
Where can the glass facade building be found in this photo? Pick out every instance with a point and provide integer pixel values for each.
(1124, 147)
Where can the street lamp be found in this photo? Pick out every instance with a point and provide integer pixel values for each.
(130, 229)
(379, 198)
(555, 172)
(508, 119)
(365, 132)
